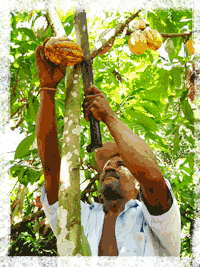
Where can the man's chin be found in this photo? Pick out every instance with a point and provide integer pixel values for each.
(111, 193)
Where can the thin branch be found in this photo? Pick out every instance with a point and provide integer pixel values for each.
(88, 188)
(91, 167)
(28, 218)
(18, 124)
(16, 83)
(54, 21)
(18, 110)
(116, 31)
(167, 35)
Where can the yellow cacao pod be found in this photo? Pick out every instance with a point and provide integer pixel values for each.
(142, 24)
(154, 38)
(190, 46)
(62, 50)
(137, 43)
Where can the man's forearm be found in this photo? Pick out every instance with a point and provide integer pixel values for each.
(47, 142)
(137, 155)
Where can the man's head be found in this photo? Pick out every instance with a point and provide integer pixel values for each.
(117, 182)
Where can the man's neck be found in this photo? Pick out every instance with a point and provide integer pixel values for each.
(114, 207)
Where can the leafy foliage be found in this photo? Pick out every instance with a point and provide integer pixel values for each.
(148, 93)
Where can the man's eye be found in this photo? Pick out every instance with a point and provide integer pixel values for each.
(121, 164)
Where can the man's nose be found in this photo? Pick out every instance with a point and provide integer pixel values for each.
(110, 167)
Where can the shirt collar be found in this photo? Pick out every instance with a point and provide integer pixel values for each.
(130, 204)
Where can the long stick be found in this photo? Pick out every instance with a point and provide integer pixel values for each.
(86, 68)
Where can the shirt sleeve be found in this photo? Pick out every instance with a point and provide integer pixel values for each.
(51, 212)
(167, 227)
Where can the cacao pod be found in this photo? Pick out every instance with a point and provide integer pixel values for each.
(190, 46)
(62, 50)
(40, 27)
(106, 34)
(142, 24)
(154, 38)
(169, 46)
(137, 43)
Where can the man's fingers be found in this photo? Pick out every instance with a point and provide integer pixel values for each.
(37, 53)
(87, 111)
(48, 38)
(92, 89)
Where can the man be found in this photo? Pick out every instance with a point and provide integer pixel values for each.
(122, 226)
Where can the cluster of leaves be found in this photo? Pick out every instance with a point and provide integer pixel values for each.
(147, 92)
(27, 243)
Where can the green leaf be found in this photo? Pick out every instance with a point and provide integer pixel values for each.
(159, 147)
(87, 175)
(190, 139)
(41, 179)
(176, 140)
(33, 175)
(145, 74)
(191, 127)
(26, 70)
(23, 48)
(188, 112)
(142, 119)
(60, 107)
(155, 21)
(151, 108)
(36, 227)
(84, 243)
(187, 178)
(24, 146)
(27, 32)
(191, 160)
(32, 109)
(184, 95)
(21, 178)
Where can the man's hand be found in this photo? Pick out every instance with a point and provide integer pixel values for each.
(49, 73)
(97, 104)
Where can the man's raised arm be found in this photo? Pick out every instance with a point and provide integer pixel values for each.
(137, 155)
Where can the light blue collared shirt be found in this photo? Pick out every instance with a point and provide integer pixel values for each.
(138, 233)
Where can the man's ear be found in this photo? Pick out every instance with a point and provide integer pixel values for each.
(137, 185)
(137, 188)
(138, 197)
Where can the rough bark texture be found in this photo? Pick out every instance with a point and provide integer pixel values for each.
(69, 229)
(71, 240)
(54, 21)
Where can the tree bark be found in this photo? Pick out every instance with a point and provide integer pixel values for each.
(54, 21)
(70, 236)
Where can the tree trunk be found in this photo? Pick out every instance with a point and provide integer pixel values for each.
(71, 240)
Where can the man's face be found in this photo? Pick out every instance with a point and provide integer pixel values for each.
(117, 182)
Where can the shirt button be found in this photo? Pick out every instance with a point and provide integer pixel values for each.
(140, 238)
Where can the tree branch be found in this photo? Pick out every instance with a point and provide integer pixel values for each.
(113, 33)
(25, 104)
(54, 21)
(28, 218)
(167, 35)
